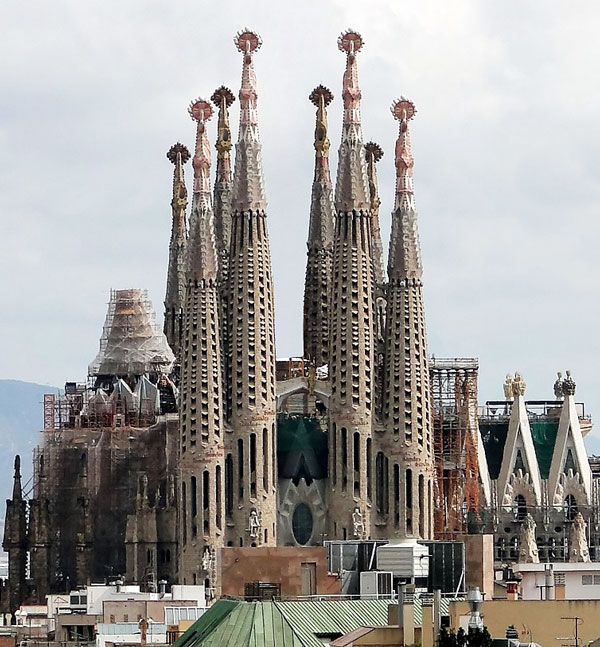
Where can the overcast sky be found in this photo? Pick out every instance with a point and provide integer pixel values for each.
(506, 145)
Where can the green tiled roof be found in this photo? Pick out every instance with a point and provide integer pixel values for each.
(299, 623)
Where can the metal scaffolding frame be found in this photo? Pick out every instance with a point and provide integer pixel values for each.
(455, 429)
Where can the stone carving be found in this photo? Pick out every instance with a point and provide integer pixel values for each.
(528, 550)
(568, 385)
(508, 387)
(578, 546)
(358, 524)
(518, 483)
(558, 387)
(518, 385)
(254, 524)
(207, 560)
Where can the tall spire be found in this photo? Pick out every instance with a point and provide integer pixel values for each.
(404, 259)
(178, 155)
(405, 507)
(320, 240)
(248, 181)
(352, 187)
(223, 98)
(374, 154)
(15, 541)
(202, 509)
(201, 258)
(351, 333)
(17, 489)
(250, 462)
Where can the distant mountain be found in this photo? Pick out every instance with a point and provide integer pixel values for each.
(20, 426)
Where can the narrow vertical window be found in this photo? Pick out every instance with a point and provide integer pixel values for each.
(241, 468)
(356, 462)
(396, 495)
(205, 500)
(218, 495)
(408, 501)
(265, 448)
(253, 465)
(229, 485)
(344, 458)
(369, 474)
(194, 496)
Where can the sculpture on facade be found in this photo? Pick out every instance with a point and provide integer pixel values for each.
(207, 560)
(518, 385)
(508, 387)
(558, 387)
(568, 385)
(254, 524)
(578, 546)
(358, 524)
(528, 550)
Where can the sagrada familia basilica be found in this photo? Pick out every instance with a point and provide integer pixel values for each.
(187, 441)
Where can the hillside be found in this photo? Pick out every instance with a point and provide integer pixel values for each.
(20, 425)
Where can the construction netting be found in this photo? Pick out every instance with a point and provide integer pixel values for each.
(544, 439)
(131, 342)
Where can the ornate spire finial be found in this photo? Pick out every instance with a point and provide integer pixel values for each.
(351, 42)
(17, 479)
(248, 183)
(248, 42)
(178, 155)
(352, 184)
(223, 98)
(201, 111)
(403, 111)
(374, 153)
(321, 97)
(201, 256)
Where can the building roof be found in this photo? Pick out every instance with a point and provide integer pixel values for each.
(298, 623)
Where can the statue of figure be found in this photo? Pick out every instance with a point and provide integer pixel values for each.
(254, 524)
(558, 387)
(528, 550)
(207, 560)
(568, 385)
(518, 385)
(578, 547)
(508, 387)
(357, 523)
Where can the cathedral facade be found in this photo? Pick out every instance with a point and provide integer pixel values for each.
(192, 439)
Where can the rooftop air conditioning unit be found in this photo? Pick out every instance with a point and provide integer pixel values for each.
(376, 584)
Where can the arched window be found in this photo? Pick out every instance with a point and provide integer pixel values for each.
(570, 507)
(519, 508)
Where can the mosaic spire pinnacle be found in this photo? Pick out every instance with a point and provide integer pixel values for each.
(352, 186)
(248, 182)
(223, 98)
(320, 240)
(201, 246)
(405, 253)
(178, 155)
(374, 153)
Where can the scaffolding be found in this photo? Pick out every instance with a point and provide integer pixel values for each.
(455, 429)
